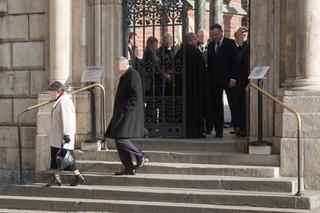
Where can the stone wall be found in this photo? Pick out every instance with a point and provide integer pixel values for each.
(22, 65)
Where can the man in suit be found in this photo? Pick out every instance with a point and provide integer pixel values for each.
(132, 49)
(223, 74)
(128, 117)
(241, 37)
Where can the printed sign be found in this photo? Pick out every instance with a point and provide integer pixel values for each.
(258, 72)
(92, 74)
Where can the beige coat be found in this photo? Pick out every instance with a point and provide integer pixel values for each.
(63, 122)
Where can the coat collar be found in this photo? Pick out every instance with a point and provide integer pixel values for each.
(130, 69)
(65, 95)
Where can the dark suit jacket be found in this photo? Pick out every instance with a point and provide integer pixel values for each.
(244, 64)
(223, 66)
(128, 115)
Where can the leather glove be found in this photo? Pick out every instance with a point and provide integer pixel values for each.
(66, 138)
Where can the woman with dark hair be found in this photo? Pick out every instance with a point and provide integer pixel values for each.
(151, 75)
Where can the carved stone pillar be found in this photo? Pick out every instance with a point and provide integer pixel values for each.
(200, 14)
(301, 91)
(60, 40)
(111, 47)
(79, 40)
(105, 44)
(216, 12)
(307, 47)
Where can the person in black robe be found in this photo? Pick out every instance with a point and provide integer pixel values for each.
(194, 77)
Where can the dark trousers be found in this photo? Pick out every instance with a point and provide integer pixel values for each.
(125, 148)
(218, 116)
(243, 108)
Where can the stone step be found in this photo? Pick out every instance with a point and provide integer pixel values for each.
(176, 195)
(109, 167)
(26, 211)
(125, 206)
(227, 144)
(199, 157)
(284, 185)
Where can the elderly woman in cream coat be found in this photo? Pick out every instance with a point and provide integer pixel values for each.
(63, 129)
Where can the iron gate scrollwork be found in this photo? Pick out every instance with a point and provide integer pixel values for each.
(157, 28)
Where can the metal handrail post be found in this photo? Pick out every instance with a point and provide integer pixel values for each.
(45, 103)
(247, 92)
(298, 119)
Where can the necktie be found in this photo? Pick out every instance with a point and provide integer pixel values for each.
(217, 46)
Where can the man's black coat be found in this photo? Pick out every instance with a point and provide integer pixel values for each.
(128, 115)
(223, 66)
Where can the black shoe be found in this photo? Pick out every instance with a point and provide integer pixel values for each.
(232, 132)
(197, 136)
(141, 161)
(79, 179)
(201, 136)
(208, 132)
(239, 132)
(55, 181)
(126, 172)
(218, 135)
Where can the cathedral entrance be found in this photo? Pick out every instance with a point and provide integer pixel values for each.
(154, 30)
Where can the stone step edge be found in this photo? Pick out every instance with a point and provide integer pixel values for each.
(186, 165)
(182, 152)
(165, 190)
(187, 206)
(218, 153)
(179, 177)
(201, 196)
(259, 184)
(208, 140)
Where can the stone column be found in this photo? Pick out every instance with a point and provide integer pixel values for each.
(288, 40)
(60, 40)
(59, 37)
(301, 91)
(105, 43)
(216, 12)
(265, 50)
(308, 46)
(79, 40)
(200, 14)
(112, 47)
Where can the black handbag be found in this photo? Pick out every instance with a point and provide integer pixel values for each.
(64, 159)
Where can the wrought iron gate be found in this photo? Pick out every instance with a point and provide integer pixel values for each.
(157, 28)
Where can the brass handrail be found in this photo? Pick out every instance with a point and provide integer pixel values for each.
(298, 119)
(47, 102)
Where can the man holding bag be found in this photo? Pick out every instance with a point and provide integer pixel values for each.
(63, 129)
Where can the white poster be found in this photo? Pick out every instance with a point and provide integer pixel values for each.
(258, 72)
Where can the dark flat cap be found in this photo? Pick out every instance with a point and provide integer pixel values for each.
(56, 86)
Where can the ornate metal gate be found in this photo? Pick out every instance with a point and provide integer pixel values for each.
(156, 29)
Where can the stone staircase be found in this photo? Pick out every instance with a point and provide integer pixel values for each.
(188, 176)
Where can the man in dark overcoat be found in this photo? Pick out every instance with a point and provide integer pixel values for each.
(128, 117)
(223, 75)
